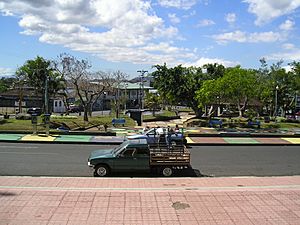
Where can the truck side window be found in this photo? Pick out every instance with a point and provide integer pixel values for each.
(128, 152)
(140, 152)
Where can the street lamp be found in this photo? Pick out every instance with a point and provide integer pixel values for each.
(142, 87)
(276, 101)
(47, 115)
(126, 85)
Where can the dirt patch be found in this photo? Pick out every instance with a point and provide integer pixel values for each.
(180, 205)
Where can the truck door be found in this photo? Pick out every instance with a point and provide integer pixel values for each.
(152, 136)
(123, 162)
(141, 159)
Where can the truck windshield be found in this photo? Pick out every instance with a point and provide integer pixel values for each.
(120, 147)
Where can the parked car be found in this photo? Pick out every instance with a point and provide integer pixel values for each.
(139, 156)
(155, 135)
(74, 109)
(35, 110)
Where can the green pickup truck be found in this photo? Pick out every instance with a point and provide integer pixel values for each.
(138, 155)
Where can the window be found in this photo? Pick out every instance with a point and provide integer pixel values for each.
(140, 152)
(128, 152)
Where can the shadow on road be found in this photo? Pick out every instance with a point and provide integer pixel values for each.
(177, 173)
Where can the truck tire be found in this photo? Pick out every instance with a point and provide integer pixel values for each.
(167, 171)
(101, 170)
(184, 141)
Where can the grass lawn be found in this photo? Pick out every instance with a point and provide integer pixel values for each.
(160, 116)
(71, 121)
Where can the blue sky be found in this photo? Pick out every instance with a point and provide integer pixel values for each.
(131, 35)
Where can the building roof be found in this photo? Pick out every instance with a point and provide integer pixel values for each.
(133, 86)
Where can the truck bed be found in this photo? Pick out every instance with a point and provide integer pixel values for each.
(177, 155)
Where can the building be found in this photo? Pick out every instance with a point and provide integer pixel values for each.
(126, 95)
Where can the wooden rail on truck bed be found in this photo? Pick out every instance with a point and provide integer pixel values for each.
(175, 155)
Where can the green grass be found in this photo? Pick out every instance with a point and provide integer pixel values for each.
(18, 125)
(289, 125)
(162, 116)
(71, 121)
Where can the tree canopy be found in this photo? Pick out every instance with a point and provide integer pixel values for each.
(213, 85)
(37, 72)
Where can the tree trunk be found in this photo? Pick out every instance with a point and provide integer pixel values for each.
(85, 116)
(197, 111)
(153, 112)
(240, 110)
(86, 109)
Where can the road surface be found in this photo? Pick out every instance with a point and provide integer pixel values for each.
(25, 159)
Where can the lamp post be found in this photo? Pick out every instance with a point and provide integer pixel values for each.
(276, 101)
(296, 98)
(141, 105)
(103, 101)
(47, 115)
(126, 85)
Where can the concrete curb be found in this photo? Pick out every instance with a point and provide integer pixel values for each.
(118, 143)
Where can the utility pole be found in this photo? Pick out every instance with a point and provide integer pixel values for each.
(142, 72)
(276, 101)
(47, 115)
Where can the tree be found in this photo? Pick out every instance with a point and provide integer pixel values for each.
(236, 86)
(295, 75)
(6, 83)
(88, 86)
(284, 84)
(239, 86)
(214, 71)
(178, 85)
(39, 74)
(152, 101)
(210, 94)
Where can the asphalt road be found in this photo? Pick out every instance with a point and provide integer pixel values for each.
(24, 159)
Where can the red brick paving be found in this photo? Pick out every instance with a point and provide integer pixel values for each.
(237, 200)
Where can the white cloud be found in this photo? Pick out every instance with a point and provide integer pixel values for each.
(288, 46)
(288, 55)
(287, 68)
(6, 71)
(180, 4)
(230, 18)
(173, 18)
(190, 14)
(268, 10)
(205, 23)
(205, 2)
(287, 25)
(202, 61)
(111, 29)
(243, 37)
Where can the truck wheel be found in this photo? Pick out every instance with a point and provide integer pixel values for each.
(101, 171)
(167, 171)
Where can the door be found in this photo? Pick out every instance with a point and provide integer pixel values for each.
(124, 160)
(152, 136)
(141, 159)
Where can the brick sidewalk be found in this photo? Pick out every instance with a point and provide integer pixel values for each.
(239, 200)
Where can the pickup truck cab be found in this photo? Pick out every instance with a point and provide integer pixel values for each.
(155, 134)
(139, 156)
